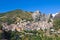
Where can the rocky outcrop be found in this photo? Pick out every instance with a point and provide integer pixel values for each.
(36, 16)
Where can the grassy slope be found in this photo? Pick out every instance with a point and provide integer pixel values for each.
(14, 14)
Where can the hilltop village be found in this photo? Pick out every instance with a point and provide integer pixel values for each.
(40, 21)
(22, 25)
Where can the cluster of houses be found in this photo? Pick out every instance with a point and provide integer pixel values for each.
(40, 22)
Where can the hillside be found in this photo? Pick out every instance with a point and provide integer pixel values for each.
(13, 15)
(57, 16)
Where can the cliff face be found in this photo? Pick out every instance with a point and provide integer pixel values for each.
(38, 16)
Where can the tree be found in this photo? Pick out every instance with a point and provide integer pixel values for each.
(1, 34)
(1, 26)
(10, 21)
(56, 24)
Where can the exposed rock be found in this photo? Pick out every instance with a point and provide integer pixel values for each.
(36, 15)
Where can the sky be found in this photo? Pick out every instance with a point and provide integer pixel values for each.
(44, 6)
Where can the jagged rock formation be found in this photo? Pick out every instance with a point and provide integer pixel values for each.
(38, 16)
